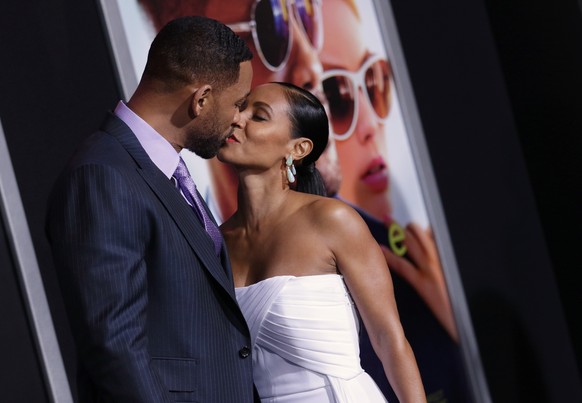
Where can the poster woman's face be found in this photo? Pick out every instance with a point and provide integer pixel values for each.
(357, 118)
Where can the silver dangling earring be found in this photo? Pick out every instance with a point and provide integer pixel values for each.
(291, 172)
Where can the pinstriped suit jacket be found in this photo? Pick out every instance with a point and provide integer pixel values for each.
(152, 309)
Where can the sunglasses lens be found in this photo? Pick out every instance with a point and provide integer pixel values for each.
(378, 87)
(339, 92)
(308, 14)
(272, 30)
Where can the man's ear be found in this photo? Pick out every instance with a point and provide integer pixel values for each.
(302, 147)
(200, 98)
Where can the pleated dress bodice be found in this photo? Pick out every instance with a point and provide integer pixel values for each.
(305, 340)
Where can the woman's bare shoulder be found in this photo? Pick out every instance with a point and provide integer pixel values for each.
(334, 214)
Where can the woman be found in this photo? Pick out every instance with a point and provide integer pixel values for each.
(298, 259)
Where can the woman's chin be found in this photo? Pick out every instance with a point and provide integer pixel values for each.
(223, 156)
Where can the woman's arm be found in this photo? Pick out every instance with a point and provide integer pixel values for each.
(360, 260)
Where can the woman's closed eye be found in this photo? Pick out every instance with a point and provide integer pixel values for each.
(261, 111)
(260, 117)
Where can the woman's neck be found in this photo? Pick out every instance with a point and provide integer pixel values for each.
(261, 200)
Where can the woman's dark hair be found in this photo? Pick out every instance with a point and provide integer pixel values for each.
(196, 49)
(308, 119)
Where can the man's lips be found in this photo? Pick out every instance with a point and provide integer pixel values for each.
(376, 176)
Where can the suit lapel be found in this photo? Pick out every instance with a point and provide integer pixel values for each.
(179, 210)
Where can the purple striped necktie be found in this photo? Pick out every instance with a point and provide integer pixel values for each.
(188, 187)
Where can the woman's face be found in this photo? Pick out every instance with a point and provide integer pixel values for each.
(262, 139)
(362, 156)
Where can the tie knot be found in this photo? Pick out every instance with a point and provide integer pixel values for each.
(186, 184)
(181, 171)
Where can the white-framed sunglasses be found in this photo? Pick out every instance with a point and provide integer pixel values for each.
(341, 90)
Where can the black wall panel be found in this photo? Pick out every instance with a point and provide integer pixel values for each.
(541, 55)
(21, 378)
(56, 84)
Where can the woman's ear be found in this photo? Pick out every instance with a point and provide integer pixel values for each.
(302, 148)
(200, 98)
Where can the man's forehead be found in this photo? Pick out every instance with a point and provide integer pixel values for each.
(245, 76)
(242, 87)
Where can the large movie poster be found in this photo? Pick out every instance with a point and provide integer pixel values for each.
(336, 49)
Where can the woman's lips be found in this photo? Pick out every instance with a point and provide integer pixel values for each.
(376, 176)
(231, 139)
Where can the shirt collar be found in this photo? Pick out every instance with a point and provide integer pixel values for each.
(160, 151)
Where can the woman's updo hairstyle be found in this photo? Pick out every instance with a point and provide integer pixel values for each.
(308, 119)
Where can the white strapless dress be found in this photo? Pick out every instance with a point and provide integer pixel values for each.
(304, 336)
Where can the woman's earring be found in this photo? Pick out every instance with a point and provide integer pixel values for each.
(290, 169)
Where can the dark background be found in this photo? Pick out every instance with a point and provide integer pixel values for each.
(497, 85)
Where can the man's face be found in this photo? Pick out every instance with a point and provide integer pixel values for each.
(219, 116)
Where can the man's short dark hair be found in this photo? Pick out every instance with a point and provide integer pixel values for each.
(196, 49)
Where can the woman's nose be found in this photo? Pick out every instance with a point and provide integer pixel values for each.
(304, 67)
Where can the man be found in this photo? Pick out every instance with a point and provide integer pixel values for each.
(149, 293)
(291, 57)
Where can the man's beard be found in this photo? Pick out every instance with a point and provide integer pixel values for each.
(205, 140)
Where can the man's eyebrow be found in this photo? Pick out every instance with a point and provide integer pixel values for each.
(243, 98)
